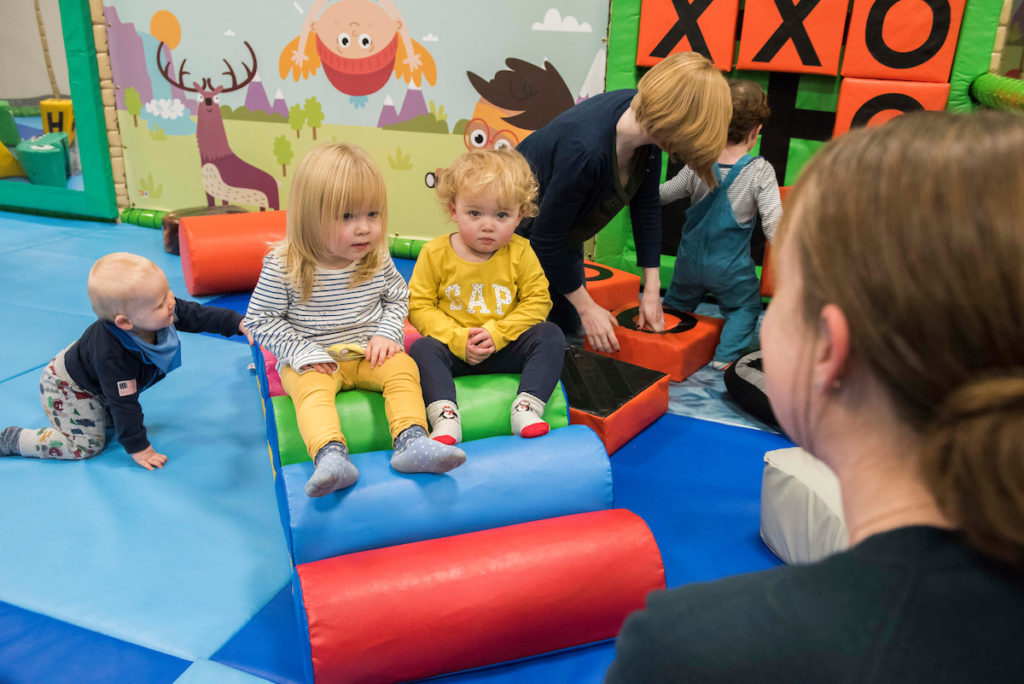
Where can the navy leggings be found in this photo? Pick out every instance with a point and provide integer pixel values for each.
(537, 354)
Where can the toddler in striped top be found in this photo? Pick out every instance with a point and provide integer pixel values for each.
(331, 306)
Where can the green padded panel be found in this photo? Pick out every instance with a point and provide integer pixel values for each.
(8, 128)
(484, 402)
(45, 159)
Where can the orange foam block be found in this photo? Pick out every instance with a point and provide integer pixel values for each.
(872, 102)
(610, 287)
(785, 35)
(688, 342)
(615, 399)
(427, 608)
(905, 40)
(667, 27)
(225, 253)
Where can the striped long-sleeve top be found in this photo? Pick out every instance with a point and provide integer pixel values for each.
(299, 333)
(755, 191)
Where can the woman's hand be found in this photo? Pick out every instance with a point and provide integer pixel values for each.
(651, 315)
(379, 349)
(600, 325)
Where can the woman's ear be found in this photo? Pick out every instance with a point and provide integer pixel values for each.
(832, 358)
(122, 322)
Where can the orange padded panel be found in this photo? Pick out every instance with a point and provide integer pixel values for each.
(906, 40)
(610, 287)
(767, 272)
(225, 253)
(679, 352)
(801, 36)
(704, 26)
(871, 102)
(454, 603)
(767, 267)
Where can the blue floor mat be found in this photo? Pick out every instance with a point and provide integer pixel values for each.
(190, 562)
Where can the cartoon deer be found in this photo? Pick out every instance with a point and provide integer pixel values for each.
(225, 176)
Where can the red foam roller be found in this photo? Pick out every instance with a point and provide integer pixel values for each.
(449, 604)
(225, 253)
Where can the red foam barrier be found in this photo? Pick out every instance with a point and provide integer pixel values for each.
(225, 253)
(427, 608)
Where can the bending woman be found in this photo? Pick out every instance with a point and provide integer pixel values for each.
(894, 352)
(605, 153)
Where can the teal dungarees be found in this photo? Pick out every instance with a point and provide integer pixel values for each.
(714, 256)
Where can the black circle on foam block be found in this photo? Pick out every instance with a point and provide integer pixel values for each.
(880, 103)
(600, 272)
(894, 59)
(686, 321)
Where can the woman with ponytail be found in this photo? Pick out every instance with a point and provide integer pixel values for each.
(894, 352)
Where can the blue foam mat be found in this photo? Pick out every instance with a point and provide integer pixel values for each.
(120, 547)
(35, 648)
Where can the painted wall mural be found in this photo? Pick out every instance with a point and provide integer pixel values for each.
(217, 103)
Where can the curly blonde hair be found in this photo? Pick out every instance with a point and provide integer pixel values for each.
(504, 173)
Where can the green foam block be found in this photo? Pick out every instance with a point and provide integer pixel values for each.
(484, 403)
(45, 159)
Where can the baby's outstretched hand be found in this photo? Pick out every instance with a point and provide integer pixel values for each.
(148, 458)
(380, 349)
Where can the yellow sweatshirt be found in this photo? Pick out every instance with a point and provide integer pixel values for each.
(505, 295)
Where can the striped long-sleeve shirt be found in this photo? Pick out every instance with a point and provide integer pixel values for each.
(755, 191)
(298, 334)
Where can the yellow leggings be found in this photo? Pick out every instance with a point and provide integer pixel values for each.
(313, 393)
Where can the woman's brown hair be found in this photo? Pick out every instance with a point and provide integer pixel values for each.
(915, 229)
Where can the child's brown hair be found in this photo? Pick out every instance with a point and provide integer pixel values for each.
(749, 109)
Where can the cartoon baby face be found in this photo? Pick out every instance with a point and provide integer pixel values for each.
(356, 28)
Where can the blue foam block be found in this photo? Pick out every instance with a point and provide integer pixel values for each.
(505, 480)
(36, 648)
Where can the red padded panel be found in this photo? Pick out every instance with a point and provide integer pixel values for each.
(427, 608)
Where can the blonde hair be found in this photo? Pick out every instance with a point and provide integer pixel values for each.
(330, 181)
(914, 230)
(503, 173)
(118, 282)
(683, 103)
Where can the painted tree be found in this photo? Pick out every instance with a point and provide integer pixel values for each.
(133, 103)
(314, 114)
(296, 118)
(283, 153)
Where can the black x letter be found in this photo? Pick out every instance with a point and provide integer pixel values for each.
(791, 28)
(686, 27)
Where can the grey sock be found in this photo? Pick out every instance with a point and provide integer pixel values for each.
(333, 471)
(415, 452)
(9, 441)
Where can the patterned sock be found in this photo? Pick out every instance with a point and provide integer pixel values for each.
(445, 421)
(417, 453)
(9, 441)
(526, 416)
(333, 471)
